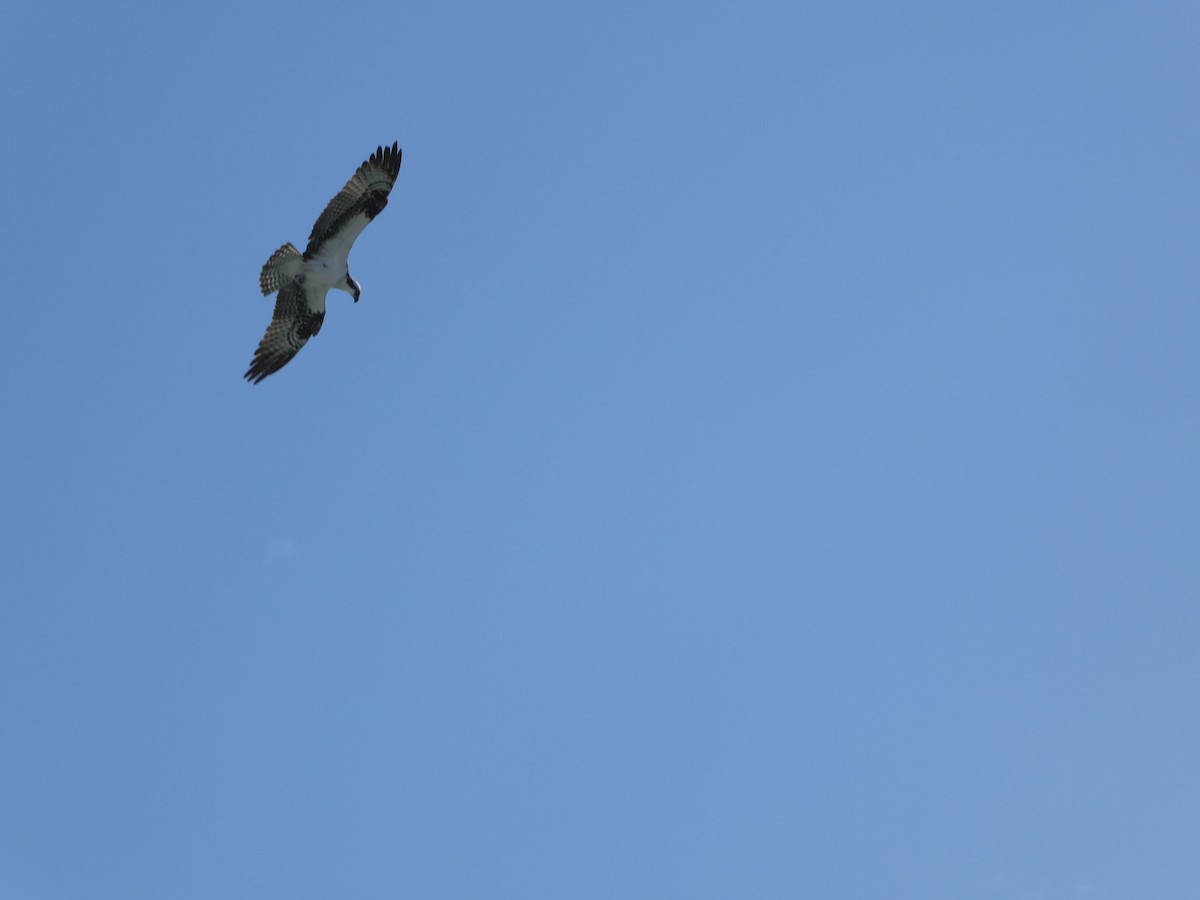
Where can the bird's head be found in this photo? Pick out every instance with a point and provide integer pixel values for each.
(354, 287)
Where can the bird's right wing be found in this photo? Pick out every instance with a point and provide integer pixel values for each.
(361, 200)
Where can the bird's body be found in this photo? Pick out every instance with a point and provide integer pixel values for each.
(304, 279)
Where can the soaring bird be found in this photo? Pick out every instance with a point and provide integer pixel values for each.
(303, 279)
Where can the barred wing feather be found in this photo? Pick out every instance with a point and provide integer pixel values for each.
(294, 322)
(361, 200)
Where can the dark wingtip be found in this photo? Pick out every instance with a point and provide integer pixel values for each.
(260, 368)
(388, 157)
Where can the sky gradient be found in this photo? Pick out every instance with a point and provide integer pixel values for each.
(762, 463)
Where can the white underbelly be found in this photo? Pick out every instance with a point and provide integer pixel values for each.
(321, 275)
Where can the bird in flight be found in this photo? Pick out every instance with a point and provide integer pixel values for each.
(303, 279)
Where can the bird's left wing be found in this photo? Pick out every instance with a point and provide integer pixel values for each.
(293, 323)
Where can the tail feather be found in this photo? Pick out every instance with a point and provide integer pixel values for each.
(283, 265)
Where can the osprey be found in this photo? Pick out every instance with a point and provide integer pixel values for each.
(303, 279)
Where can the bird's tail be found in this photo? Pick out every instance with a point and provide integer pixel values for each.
(283, 265)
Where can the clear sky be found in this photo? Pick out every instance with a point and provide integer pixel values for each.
(763, 463)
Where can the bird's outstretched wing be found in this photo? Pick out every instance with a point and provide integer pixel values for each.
(294, 322)
(360, 201)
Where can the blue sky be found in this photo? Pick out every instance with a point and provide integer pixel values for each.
(762, 463)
